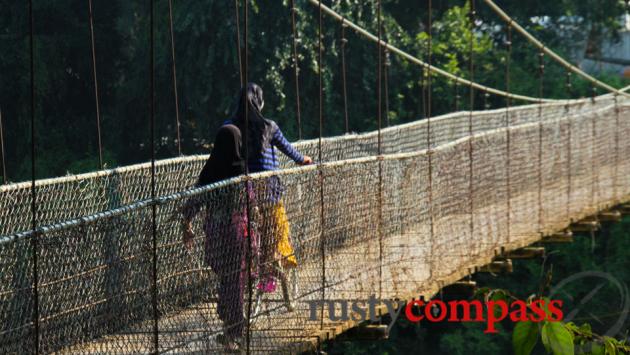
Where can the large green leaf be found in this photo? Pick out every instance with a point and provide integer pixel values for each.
(557, 339)
(609, 345)
(597, 349)
(524, 337)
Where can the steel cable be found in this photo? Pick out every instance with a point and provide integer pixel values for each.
(174, 74)
(541, 77)
(247, 182)
(5, 179)
(96, 96)
(238, 42)
(429, 144)
(508, 102)
(419, 62)
(322, 243)
(504, 16)
(344, 42)
(154, 271)
(380, 151)
(296, 68)
(35, 236)
(471, 69)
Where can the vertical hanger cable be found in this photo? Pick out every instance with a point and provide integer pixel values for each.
(96, 96)
(174, 74)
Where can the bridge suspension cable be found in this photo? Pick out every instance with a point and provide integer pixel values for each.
(429, 61)
(541, 81)
(431, 68)
(154, 254)
(247, 182)
(569, 88)
(380, 149)
(320, 64)
(457, 96)
(431, 215)
(344, 42)
(503, 15)
(616, 147)
(296, 70)
(508, 137)
(34, 240)
(5, 179)
(174, 74)
(320, 171)
(96, 98)
(471, 171)
(387, 63)
(238, 42)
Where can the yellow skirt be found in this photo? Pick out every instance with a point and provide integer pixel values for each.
(281, 234)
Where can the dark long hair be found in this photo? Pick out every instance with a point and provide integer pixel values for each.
(252, 94)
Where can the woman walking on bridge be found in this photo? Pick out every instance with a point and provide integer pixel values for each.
(226, 231)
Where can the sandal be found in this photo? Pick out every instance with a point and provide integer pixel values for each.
(229, 345)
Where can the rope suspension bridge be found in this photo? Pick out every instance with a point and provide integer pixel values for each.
(94, 263)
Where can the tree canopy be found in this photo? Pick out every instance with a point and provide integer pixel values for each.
(205, 35)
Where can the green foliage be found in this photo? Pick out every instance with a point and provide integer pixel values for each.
(557, 339)
(470, 339)
(591, 343)
(208, 71)
(524, 337)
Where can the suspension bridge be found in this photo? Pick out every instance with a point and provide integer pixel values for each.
(94, 263)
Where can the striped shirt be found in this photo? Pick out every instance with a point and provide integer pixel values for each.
(267, 159)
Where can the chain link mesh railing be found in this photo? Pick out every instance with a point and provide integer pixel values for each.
(351, 227)
(75, 196)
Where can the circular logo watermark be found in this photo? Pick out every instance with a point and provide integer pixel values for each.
(620, 299)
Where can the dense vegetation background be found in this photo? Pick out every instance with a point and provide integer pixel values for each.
(208, 76)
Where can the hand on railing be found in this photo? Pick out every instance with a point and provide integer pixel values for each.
(307, 160)
(188, 234)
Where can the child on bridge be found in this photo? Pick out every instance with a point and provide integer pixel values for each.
(263, 137)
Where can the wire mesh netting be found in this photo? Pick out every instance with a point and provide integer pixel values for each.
(75, 196)
(270, 250)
